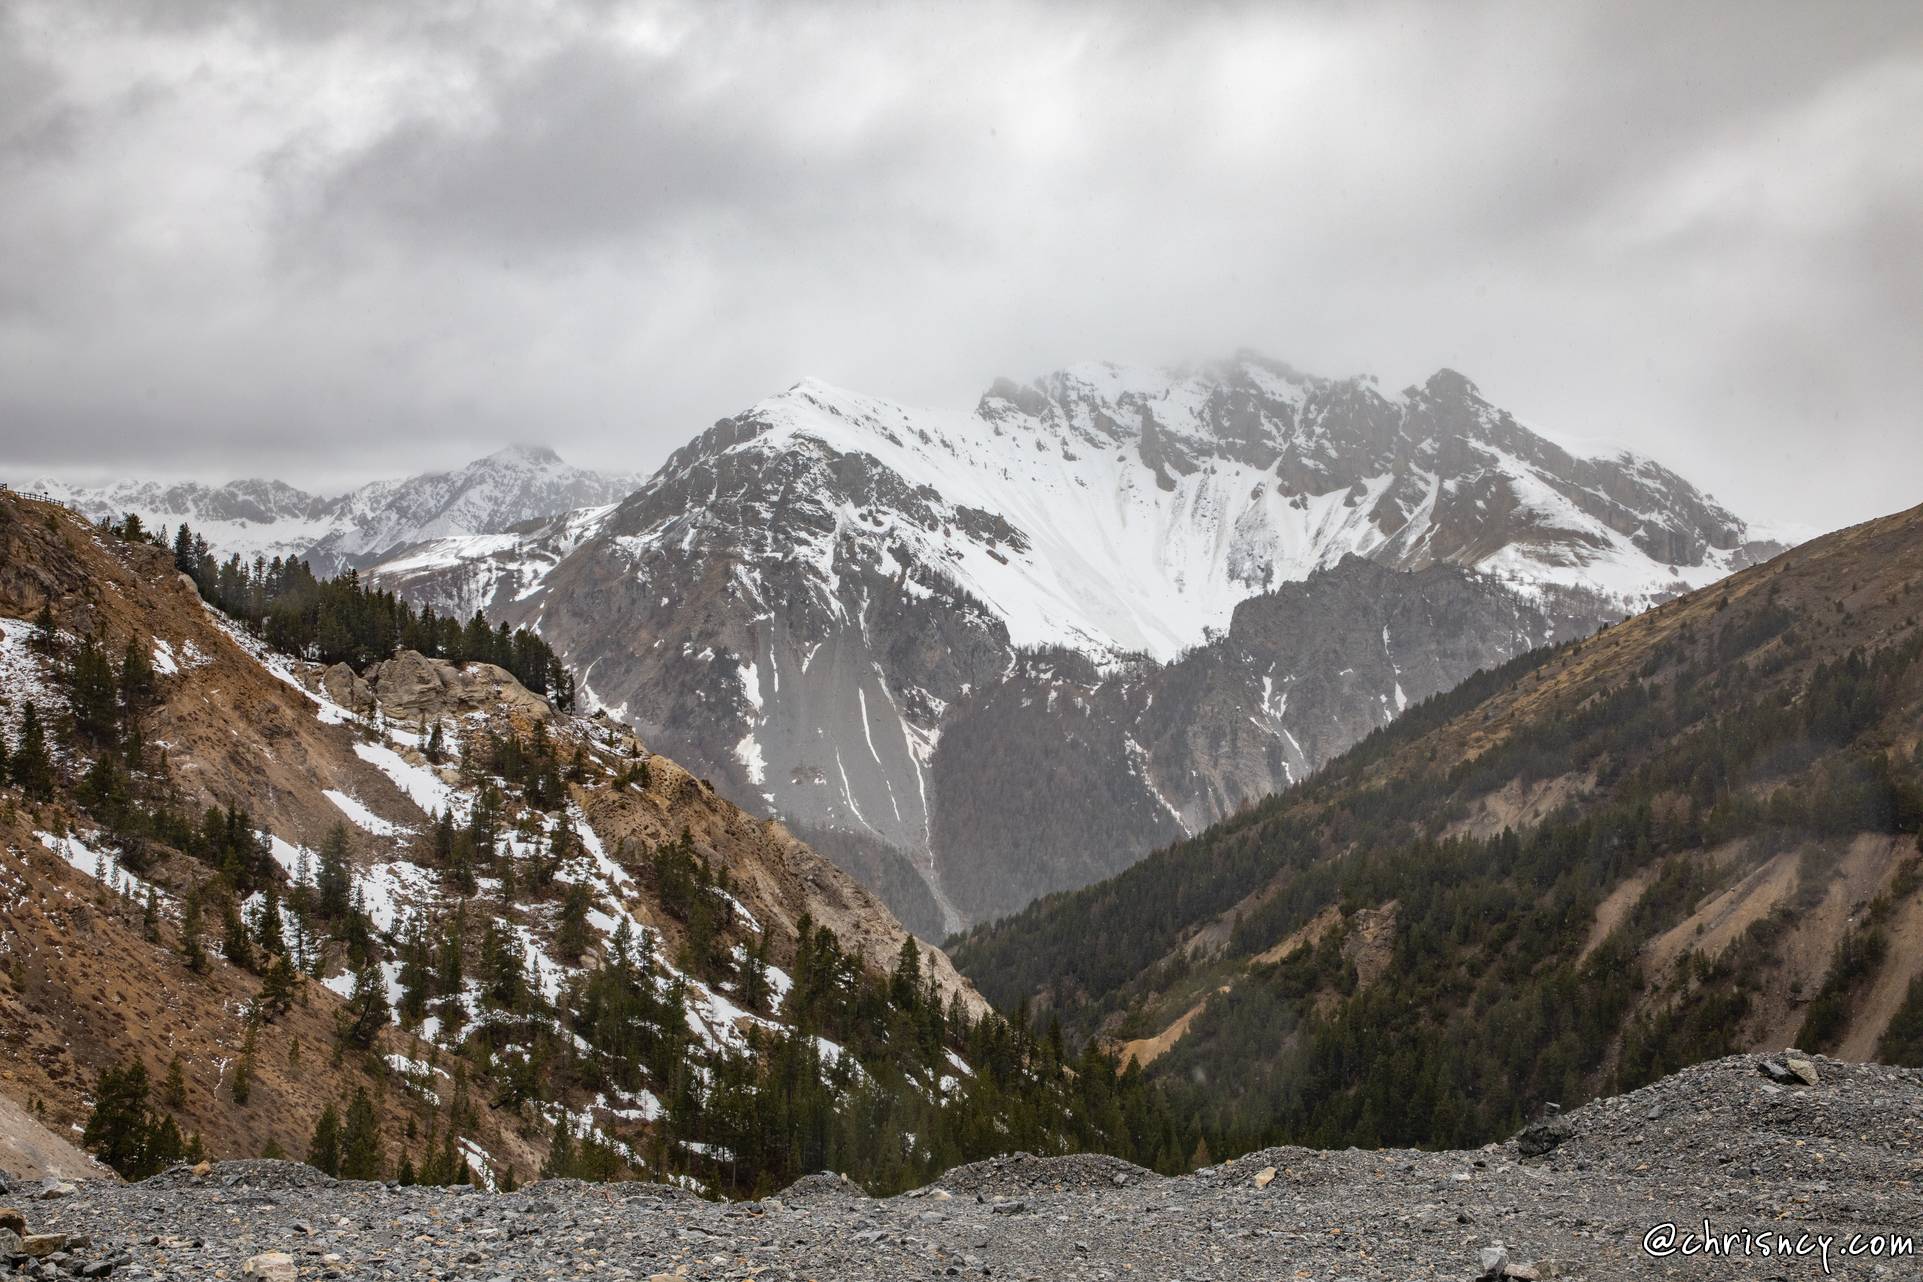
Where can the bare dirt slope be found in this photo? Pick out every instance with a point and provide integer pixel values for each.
(31, 1151)
(84, 990)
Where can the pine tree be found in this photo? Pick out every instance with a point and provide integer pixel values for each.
(243, 1083)
(332, 636)
(333, 887)
(450, 965)
(506, 976)
(93, 694)
(150, 916)
(173, 1093)
(571, 935)
(433, 1169)
(46, 637)
(904, 988)
(361, 1140)
(32, 767)
(138, 685)
(120, 1131)
(455, 1170)
(366, 1011)
(235, 946)
(755, 989)
(560, 1159)
(114, 1131)
(414, 977)
(324, 1149)
(268, 932)
(191, 949)
(163, 1145)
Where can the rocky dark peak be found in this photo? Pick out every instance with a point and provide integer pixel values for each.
(1449, 385)
(1025, 397)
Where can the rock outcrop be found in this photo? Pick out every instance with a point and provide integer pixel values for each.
(411, 687)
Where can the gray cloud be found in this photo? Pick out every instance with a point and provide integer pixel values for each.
(334, 240)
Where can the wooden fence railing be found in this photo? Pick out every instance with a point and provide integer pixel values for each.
(35, 495)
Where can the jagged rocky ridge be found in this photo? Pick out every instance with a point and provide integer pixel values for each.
(1723, 1143)
(811, 598)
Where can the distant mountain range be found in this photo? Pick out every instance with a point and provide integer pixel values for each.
(271, 518)
(979, 656)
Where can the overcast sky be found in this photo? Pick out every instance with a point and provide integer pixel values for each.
(328, 240)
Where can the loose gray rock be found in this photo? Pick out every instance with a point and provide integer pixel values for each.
(1733, 1148)
(269, 1266)
(1542, 1137)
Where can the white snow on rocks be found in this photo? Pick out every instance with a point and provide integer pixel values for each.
(23, 677)
(361, 815)
(419, 782)
(101, 864)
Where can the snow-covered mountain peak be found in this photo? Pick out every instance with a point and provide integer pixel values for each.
(1135, 506)
(817, 598)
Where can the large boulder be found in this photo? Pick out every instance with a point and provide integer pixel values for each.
(486, 686)
(345, 687)
(410, 687)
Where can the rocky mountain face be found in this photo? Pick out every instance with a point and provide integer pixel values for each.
(1697, 832)
(538, 928)
(853, 612)
(1065, 772)
(487, 497)
(458, 574)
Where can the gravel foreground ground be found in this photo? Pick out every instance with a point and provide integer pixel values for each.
(1746, 1143)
